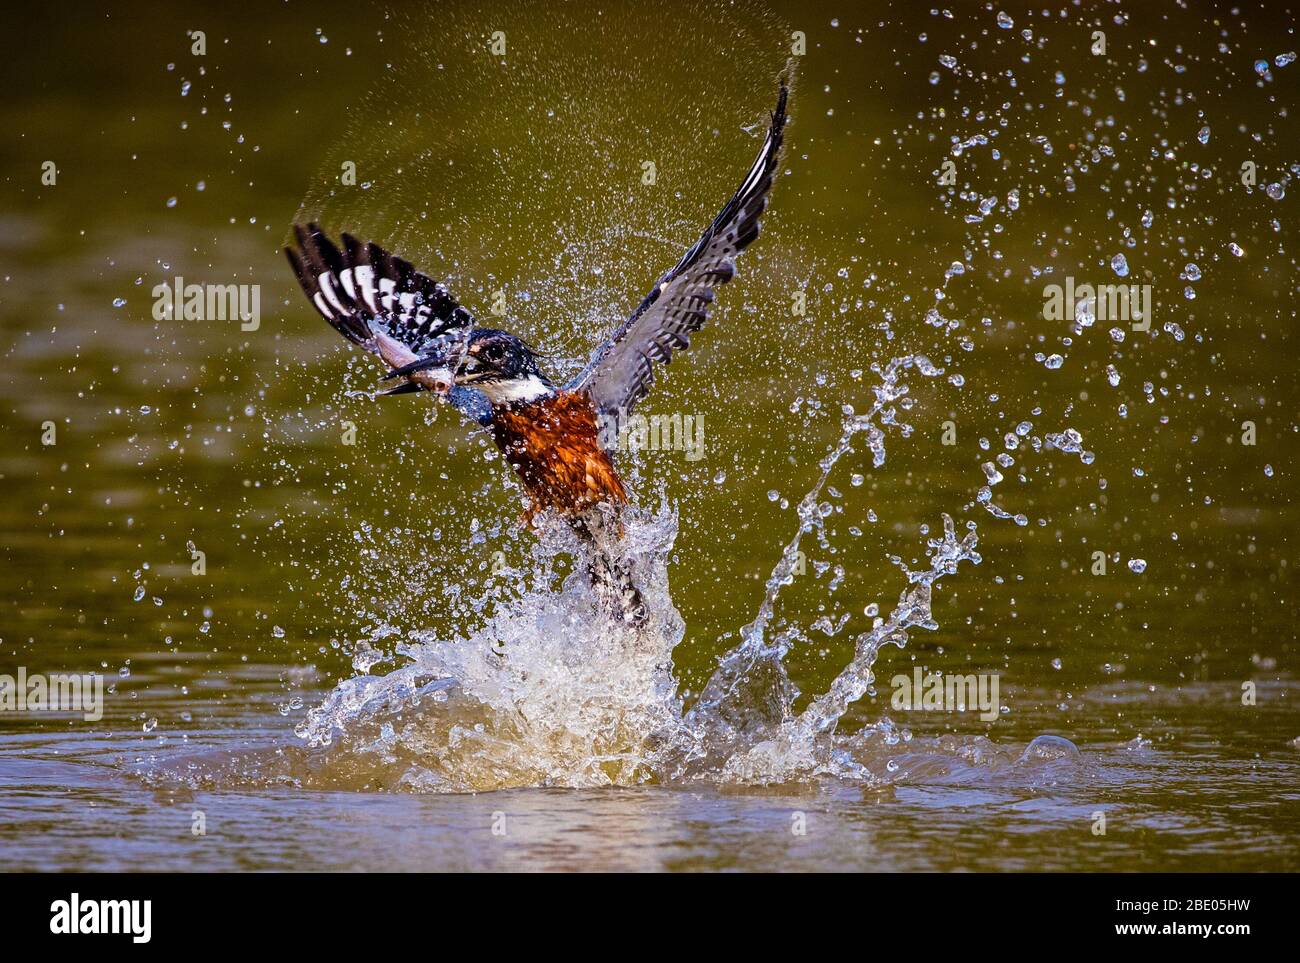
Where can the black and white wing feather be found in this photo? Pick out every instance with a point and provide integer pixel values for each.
(621, 370)
(363, 290)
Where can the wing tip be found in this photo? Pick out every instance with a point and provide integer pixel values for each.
(742, 211)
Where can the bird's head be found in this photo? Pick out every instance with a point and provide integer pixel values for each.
(495, 363)
(501, 366)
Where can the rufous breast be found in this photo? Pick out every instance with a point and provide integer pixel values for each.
(554, 445)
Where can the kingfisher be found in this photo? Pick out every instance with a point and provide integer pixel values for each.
(552, 435)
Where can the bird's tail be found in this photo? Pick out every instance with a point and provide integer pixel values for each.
(610, 575)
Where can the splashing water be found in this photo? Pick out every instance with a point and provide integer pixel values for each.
(548, 693)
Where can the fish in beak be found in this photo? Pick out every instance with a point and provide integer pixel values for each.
(433, 371)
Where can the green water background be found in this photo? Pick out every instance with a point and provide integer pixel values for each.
(523, 173)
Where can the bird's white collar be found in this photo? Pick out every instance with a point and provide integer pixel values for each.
(531, 388)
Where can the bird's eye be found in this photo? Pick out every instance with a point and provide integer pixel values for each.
(493, 353)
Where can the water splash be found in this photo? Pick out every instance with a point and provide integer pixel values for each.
(548, 693)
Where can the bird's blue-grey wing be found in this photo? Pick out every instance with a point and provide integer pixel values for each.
(622, 369)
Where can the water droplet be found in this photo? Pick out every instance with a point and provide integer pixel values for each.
(1051, 747)
(1137, 565)
(1119, 264)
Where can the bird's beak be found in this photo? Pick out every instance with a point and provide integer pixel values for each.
(434, 372)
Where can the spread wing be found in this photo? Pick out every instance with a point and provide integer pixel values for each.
(365, 292)
(380, 302)
(621, 370)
